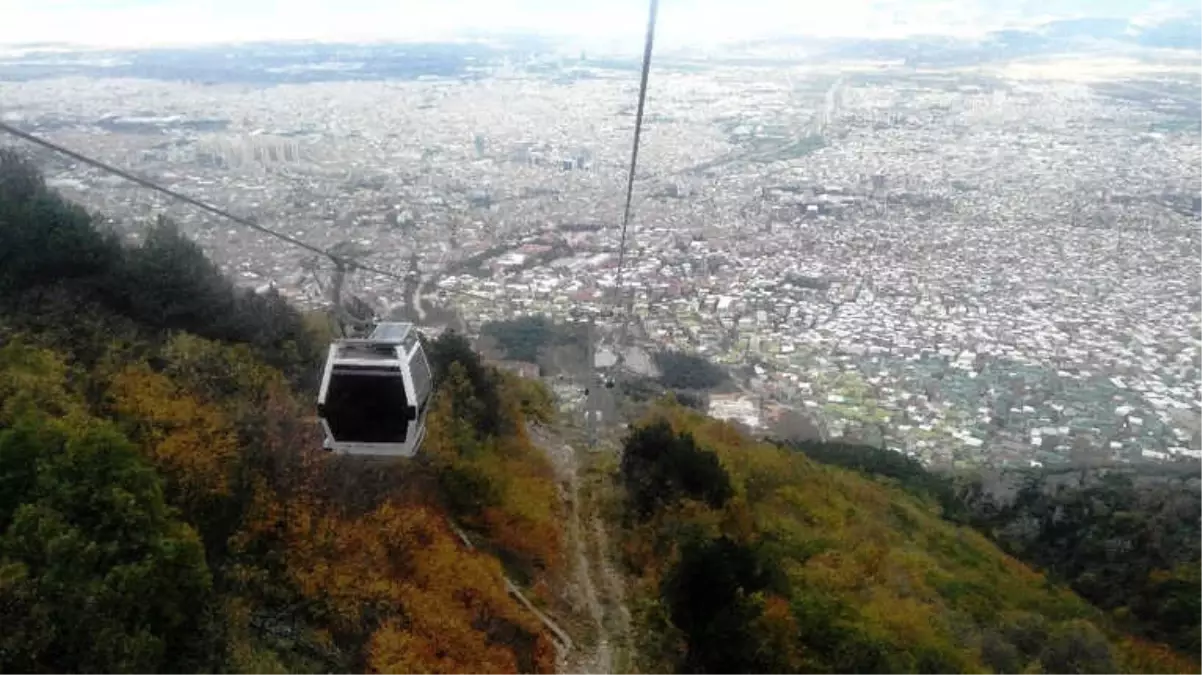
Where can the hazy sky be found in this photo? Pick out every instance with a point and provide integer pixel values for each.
(617, 23)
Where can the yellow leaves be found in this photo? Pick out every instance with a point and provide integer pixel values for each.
(393, 650)
(524, 522)
(33, 380)
(244, 655)
(533, 399)
(216, 371)
(357, 574)
(1159, 576)
(188, 441)
(449, 435)
(834, 570)
(907, 620)
(908, 586)
(535, 542)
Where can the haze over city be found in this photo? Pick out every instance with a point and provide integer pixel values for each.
(616, 25)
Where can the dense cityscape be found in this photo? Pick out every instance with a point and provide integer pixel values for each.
(992, 263)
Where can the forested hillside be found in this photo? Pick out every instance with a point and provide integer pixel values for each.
(1126, 539)
(750, 557)
(164, 502)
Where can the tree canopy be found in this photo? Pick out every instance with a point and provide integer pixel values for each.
(903, 471)
(1125, 538)
(97, 572)
(523, 338)
(1132, 548)
(660, 467)
(679, 370)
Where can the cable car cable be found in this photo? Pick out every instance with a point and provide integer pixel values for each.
(634, 150)
(338, 260)
(158, 188)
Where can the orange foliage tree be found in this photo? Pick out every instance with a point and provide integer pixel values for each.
(502, 485)
(397, 589)
(386, 584)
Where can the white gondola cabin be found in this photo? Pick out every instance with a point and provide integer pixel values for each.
(374, 393)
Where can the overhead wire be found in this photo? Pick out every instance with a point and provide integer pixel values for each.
(634, 151)
(339, 261)
(150, 185)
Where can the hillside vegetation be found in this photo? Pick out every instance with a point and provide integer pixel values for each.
(525, 338)
(164, 502)
(749, 557)
(1128, 540)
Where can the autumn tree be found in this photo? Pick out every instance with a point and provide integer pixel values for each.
(53, 256)
(189, 442)
(716, 596)
(96, 574)
(200, 527)
(499, 485)
(169, 282)
(1131, 548)
(908, 472)
(1171, 601)
(660, 466)
(1077, 647)
(33, 380)
(481, 400)
(395, 588)
(834, 572)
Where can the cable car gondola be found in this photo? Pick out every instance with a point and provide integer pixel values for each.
(374, 393)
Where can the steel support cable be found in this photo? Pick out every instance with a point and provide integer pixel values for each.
(339, 261)
(150, 185)
(634, 151)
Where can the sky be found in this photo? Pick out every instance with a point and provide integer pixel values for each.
(602, 23)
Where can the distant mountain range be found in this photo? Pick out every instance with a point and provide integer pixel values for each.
(1178, 33)
(1059, 36)
(301, 62)
(262, 64)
